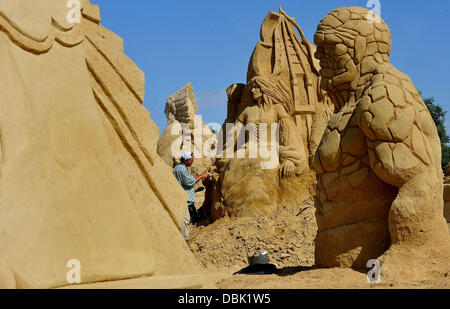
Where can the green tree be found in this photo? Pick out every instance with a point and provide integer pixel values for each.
(438, 114)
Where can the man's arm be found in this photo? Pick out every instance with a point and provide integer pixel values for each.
(188, 180)
(201, 177)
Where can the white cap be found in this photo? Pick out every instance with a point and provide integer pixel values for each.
(185, 156)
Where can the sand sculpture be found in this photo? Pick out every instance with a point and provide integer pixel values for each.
(379, 162)
(80, 176)
(447, 204)
(447, 195)
(282, 88)
(186, 131)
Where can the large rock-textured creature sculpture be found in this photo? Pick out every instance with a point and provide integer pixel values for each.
(379, 162)
(80, 176)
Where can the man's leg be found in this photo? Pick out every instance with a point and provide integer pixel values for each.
(185, 224)
(193, 213)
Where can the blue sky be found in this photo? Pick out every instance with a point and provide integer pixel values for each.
(209, 43)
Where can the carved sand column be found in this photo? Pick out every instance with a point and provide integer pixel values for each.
(186, 131)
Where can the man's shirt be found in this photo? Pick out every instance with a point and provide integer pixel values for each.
(186, 180)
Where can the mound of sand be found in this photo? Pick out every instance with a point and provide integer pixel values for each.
(288, 236)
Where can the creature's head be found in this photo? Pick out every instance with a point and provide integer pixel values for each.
(350, 45)
(271, 90)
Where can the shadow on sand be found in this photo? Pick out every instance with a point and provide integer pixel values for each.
(270, 269)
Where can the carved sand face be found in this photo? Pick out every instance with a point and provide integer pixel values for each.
(349, 47)
(257, 94)
(269, 90)
(333, 59)
(338, 67)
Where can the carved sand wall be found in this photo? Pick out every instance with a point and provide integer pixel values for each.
(80, 176)
(379, 163)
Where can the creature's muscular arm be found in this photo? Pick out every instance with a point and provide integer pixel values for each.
(401, 140)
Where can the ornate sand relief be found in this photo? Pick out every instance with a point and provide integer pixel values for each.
(295, 65)
(50, 27)
(283, 89)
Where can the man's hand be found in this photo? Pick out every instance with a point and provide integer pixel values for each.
(287, 169)
(201, 177)
(205, 175)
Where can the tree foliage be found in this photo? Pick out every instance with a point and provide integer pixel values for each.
(438, 114)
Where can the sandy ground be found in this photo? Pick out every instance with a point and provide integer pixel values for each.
(307, 278)
(288, 236)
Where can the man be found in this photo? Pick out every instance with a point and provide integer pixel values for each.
(187, 181)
